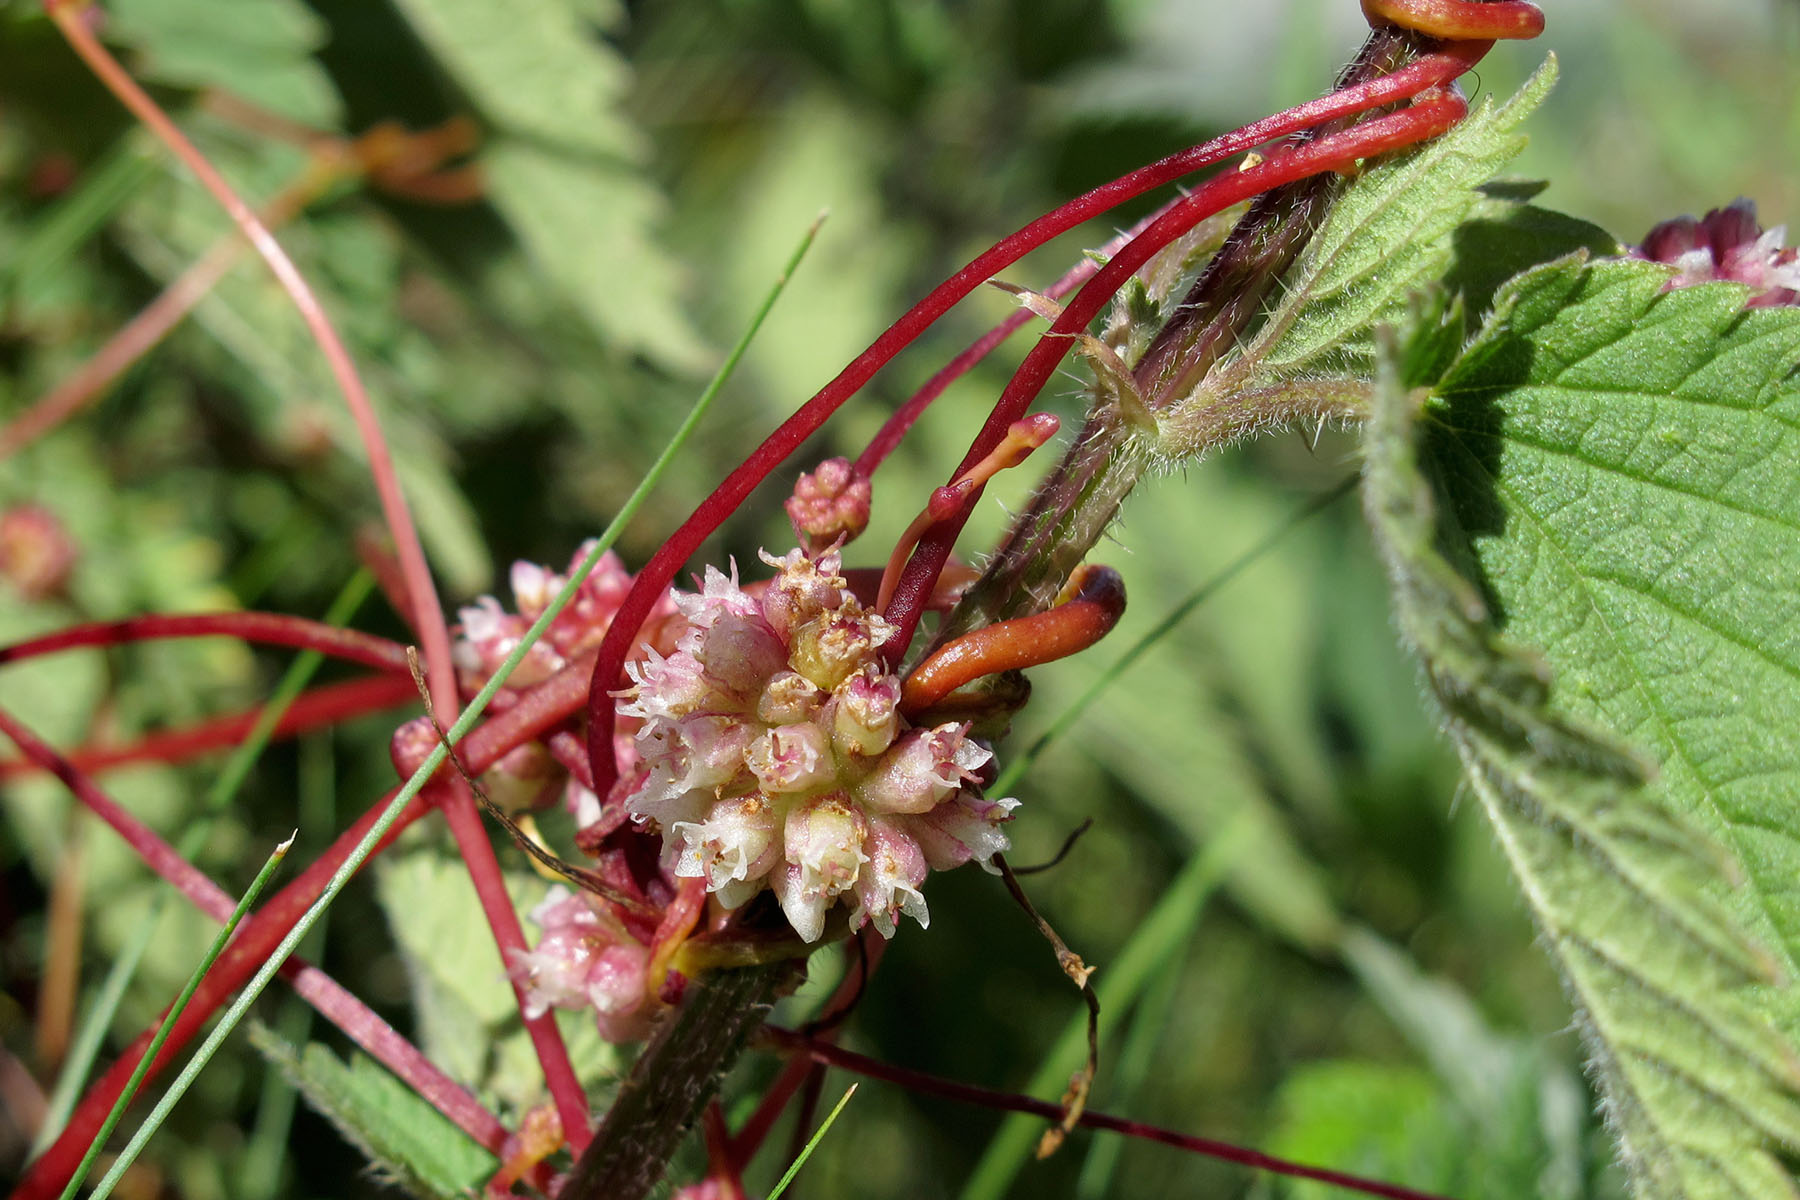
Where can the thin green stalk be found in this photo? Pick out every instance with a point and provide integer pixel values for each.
(86, 1047)
(261, 1175)
(466, 721)
(1167, 929)
(156, 1043)
(812, 1143)
(1015, 770)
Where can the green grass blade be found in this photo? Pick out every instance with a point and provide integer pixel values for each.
(156, 1043)
(261, 1174)
(811, 1143)
(98, 1020)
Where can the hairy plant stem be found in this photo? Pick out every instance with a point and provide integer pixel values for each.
(678, 1072)
(1074, 506)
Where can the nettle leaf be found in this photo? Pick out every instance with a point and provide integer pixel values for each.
(1622, 474)
(407, 1141)
(260, 50)
(563, 164)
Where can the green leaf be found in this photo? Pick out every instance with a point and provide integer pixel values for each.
(587, 226)
(407, 1141)
(260, 50)
(1620, 468)
(1386, 237)
(563, 166)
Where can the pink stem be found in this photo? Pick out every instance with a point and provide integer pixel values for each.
(477, 852)
(269, 629)
(428, 614)
(1423, 119)
(125, 347)
(539, 710)
(322, 706)
(896, 427)
(919, 1081)
(331, 999)
(725, 499)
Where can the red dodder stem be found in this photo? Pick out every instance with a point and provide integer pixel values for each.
(932, 1085)
(1339, 151)
(660, 571)
(427, 613)
(896, 427)
(257, 936)
(326, 705)
(268, 629)
(490, 888)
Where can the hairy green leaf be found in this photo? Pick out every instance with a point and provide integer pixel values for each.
(1620, 466)
(408, 1142)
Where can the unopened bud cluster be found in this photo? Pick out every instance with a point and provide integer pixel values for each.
(774, 755)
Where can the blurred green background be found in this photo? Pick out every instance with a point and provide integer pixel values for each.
(1338, 969)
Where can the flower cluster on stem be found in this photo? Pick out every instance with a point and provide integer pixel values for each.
(774, 756)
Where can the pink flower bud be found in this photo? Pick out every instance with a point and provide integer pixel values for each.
(888, 883)
(967, 827)
(789, 697)
(832, 646)
(586, 958)
(922, 769)
(829, 505)
(411, 745)
(487, 634)
(1728, 244)
(732, 849)
(36, 551)
(803, 588)
(533, 588)
(739, 653)
(668, 687)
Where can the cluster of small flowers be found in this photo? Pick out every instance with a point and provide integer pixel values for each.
(773, 755)
(487, 634)
(1728, 244)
